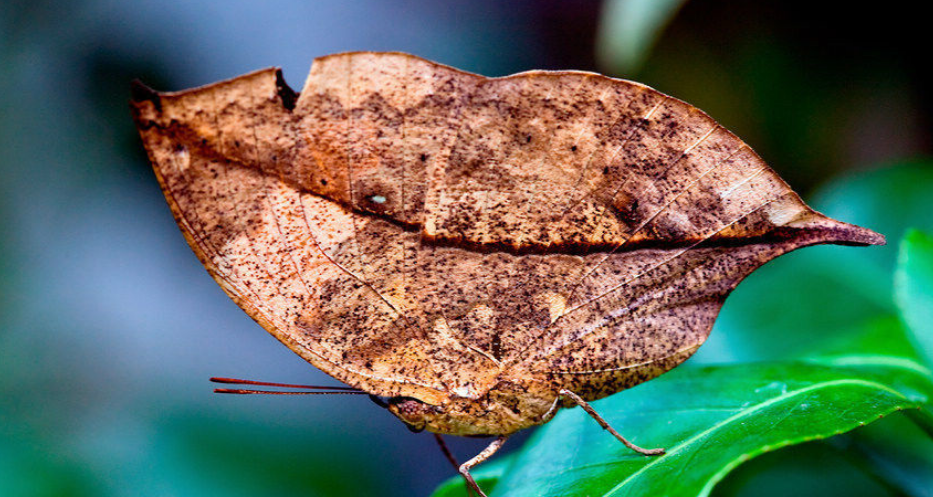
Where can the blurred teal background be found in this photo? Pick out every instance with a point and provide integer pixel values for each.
(109, 326)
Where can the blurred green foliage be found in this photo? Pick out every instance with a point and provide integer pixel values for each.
(628, 30)
(914, 285)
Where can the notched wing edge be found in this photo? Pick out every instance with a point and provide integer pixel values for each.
(142, 96)
(140, 92)
(836, 232)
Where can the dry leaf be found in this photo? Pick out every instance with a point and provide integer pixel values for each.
(472, 245)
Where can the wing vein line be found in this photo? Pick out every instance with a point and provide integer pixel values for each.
(625, 141)
(403, 240)
(620, 368)
(637, 276)
(275, 218)
(652, 268)
(236, 206)
(212, 254)
(348, 127)
(676, 255)
(339, 265)
(327, 256)
(660, 210)
(586, 165)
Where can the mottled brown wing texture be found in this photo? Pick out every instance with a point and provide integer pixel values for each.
(415, 230)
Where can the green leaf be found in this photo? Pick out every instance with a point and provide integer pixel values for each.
(628, 29)
(812, 469)
(898, 452)
(914, 289)
(710, 420)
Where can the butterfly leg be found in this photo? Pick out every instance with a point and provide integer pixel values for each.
(482, 456)
(551, 411)
(450, 457)
(447, 453)
(602, 422)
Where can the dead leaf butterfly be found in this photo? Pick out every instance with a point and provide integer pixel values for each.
(478, 251)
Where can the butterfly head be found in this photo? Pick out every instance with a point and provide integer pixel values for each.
(504, 409)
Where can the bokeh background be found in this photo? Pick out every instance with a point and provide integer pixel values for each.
(109, 326)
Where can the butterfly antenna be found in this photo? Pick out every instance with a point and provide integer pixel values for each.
(314, 389)
(271, 392)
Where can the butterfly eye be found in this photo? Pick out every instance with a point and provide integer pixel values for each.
(412, 412)
(409, 402)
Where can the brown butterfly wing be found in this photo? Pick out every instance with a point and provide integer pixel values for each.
(235, 167)
(415, 230)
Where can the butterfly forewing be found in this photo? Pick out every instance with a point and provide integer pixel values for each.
(414, 230)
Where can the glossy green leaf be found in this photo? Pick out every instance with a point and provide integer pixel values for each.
(808, 469)
(628, 29)
(711, 419)
(914, 289)
(896, 453)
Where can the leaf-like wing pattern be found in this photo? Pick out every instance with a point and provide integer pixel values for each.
(414, 230)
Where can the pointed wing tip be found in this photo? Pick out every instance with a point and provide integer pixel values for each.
(850, 234)
(873, 238)
(818, 229)
(139, 92)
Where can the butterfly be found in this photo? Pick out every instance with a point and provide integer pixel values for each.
(475, 253)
